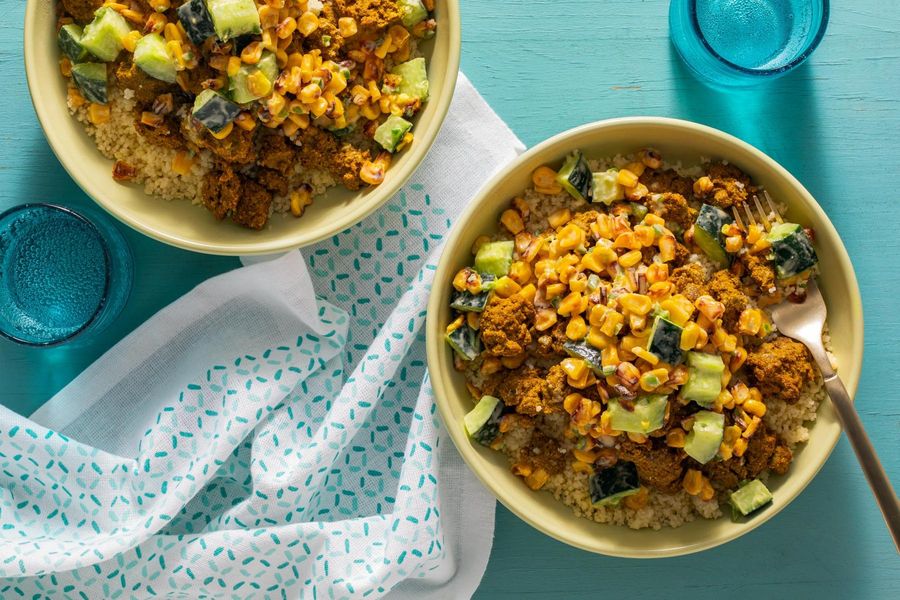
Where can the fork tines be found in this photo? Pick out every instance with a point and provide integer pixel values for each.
(763, 214)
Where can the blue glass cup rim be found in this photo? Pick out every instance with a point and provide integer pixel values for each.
(823, 25)
(107, 254)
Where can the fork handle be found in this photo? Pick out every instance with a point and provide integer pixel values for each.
(865, 454)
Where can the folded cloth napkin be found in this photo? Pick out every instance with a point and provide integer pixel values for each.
(258, 440)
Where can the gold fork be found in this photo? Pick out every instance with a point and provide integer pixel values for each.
(804, 322)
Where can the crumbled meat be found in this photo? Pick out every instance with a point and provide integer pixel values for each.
(556, 387)
(82, 10)
(584, 219)
(273, 181)
(369, 14)
(194, 78)
(760, 448)
(221, 191)
(167, 134)
(726, 288)
(523, 387)
(276, 153)
(543, 452)
(505, 325)
(728, 474)
(322, 150)
(781, 368)
(675, 210)
(730, 185)
(327, 38)
(146, 89)
(236, 148)
(550, 343)
(253, 208)
(760, 272)
(781, 459)
(658, 465)
(682, 254)
(669, 180)
(689, 280)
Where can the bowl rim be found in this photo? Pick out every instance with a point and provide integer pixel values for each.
(352, 214)
(434, 341)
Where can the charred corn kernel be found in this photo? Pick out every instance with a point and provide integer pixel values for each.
(520, 272)
(598, 339)
(707, 492)
(692, 482)
(252, 53)
(537, 479)
(650, 358)
(129, 42)
(183, 163)
(224, 133)
(667, 248)
(310, 93)
(65, 66)
(474, 320)
(576, 329)
(545, 319)
(609, 356)
(709, 307)
(575, 368)
(689, 336)
(578, 282)
(612, 322)
(559, 217)
(554, 290)
(626, 178)
(637, 304)
(506, 287)
(761, 245)
(679, 307)
(637, 192)
(733, 244)
(754, 233)
(308, 23)
(521, 469)
(160, 6)
(750, 321)
(455, 324)
(372, 172)
(738, 358)
(703, 186)
(286, 28)
(740, 447)
(571, 305)
(347, 26)
(545, 179)
(300, 199)
(582, 467)
(627, 240)
(661, 291)
(171, 33)
(74, 98)
(651, 380)
(675, 438)
(754, 407)
(571, 236)
(276, 103)
(155, 23)
(751, 427)
(645, 235)
(656, 273)
(98, 114)
(512, 220)
(631, 258)
(513, 362)
(528, 292)
(234, 65)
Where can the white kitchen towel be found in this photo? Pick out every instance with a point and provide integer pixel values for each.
(258, 440)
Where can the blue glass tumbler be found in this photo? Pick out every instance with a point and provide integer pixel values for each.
(739, 43)
(62, 275)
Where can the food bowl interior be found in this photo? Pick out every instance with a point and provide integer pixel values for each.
(677, 140)
(182, 224)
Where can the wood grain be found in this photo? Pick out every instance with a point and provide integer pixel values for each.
(545, 66)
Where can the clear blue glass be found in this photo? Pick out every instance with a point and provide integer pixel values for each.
(62, 276)
(739, 43)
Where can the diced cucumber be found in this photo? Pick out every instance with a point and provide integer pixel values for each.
(413, 78)
(465, 341)
(91, 80)
(589, 354)
(232, 18)
(414, 12)
(495, 258)
(103, 36)
(239, 85)
(648, 415)
(152, 56)
(665, 341)
(607, 188)
(704, 383)
(196, 20)
(482, 423)
(708, 233)
(214, 110)
(702, 443)
(793, 250)
(638, 210)
(391, 132)
(609, 486)
(468, 302)
(748, 498)
(69, 40)
(575, 176)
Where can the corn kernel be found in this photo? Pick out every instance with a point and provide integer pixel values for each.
(689, 336)
(544, 179)
(692, 482)
(648, 356)
(750, 321)
(703, 186)
(506, 287)
(630, 259)
(520, 272)
(308, 23)
(571, 236)
(612, 323)
(627, 240)
(637, 304)
(129, 42)
(637, 192)
(512, 220)
(626, 178)
(576, 329)
(234, 65)
(667, 248)
(675, 438)
(347, 26)
(559, 217)
(754, 407)
(545, 319)
(733, 244)
(657, 272)
(183, 163)
(572, 304)
(98, 114)
(528, 292)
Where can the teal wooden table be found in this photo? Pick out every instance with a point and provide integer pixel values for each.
(545, 66)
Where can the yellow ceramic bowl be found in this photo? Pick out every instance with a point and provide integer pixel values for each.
(677, 140)
(191, 227)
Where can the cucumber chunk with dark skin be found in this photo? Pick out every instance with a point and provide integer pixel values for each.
(196, 20)
(69, 40)
(589, 354)
(665, 341)
(464, 340)
(103, 36)
(233, 18)
(214, 110)
(91, 81)
(792, 249)
(239, 84)
(609, 486)
(575, 176)
(708, 233)
(468, 302)
(482, 423)
(152, 56)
